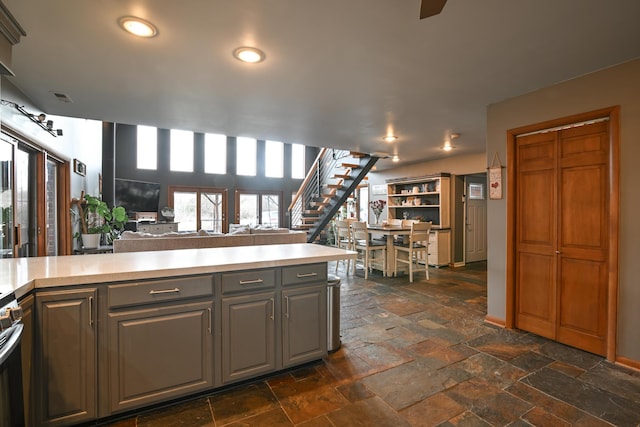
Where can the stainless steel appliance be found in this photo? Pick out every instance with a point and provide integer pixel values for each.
(11, 397)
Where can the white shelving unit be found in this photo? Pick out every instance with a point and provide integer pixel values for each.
(426, 198)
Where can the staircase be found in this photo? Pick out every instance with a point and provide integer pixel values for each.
(334, 176)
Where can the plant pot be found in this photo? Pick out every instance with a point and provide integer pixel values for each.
(90, 241)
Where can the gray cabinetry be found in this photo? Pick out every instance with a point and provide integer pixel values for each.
(248, 323)
(304, 324)
(160, 336)
(66, 357)
(248, 336)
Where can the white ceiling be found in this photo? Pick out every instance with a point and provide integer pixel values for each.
(338, 73)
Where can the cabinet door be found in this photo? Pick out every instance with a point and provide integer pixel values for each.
(248, 336)
(66, 357)
(159, 353)
(304, 324)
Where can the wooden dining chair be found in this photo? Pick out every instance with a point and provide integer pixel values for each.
(417, 245)
(344, 240)
(370, 252)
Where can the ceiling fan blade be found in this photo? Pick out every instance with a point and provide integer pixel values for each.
(431, 7)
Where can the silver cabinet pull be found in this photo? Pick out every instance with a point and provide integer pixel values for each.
(164, 291)
(300, 276)
(286, 304)
(90, 312)
(251, 282)
(209, 311)
(273, 308)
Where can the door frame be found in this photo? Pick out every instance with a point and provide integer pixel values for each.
(613, 114)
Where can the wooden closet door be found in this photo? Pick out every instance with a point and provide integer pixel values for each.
(583, 237)
(536, 234)
(562, 243)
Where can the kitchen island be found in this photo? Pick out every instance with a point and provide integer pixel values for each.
(113, 333)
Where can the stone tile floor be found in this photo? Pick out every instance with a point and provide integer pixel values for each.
(421, 355)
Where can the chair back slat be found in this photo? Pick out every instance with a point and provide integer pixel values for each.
(420, 232)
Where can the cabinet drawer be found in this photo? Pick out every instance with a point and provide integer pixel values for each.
(299, 274)
(159, 291)
(248, 280)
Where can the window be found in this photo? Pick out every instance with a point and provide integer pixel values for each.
(253, 208)
(199, 208)
(246, 154)
(181, 151)
(215, 153)
(297, 161)
(147, 148)
(274, 159)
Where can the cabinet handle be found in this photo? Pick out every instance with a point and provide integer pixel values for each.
(251, 282)
(90, 312)
(209, 311)
(273, 308)
(164, 291)
(286, 301)
(300, 276)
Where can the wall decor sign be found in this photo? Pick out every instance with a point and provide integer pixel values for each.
(495, 178)
(379, 189)
(79, 167)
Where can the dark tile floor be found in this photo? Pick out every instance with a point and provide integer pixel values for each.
(420, 355)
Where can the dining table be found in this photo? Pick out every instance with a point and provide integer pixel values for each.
(390, 231)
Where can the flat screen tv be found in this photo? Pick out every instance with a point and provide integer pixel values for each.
(137, 196)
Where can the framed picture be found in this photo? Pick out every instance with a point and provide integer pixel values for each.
(79, 167)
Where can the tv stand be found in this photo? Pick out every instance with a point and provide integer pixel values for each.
(152, 227)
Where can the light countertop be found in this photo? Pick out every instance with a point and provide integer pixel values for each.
(21, 275)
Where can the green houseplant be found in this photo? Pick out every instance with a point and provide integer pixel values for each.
(97, 219)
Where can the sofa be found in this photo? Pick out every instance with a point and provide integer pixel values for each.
(131, 241)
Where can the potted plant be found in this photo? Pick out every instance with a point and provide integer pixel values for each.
(96, 219)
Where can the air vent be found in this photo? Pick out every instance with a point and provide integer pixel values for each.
(62, 97)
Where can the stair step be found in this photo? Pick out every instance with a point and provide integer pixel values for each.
(304, 227)
(309, 220)
(345, 176)
(311, 212)
(328, 195)
(350, 166)
(315, 204)
(336, 186)
(358, 155)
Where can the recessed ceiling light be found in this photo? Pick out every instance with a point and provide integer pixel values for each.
(389, 138)
(249, 54)
(138, 27)
(447, 147)
(395, 159)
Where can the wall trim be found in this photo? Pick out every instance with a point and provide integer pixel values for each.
(495, 321)
(628, 363)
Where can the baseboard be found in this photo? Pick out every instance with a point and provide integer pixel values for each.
(495, 321)
(628, 363)
(459, 264)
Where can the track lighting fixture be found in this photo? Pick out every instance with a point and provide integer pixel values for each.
(39, 119)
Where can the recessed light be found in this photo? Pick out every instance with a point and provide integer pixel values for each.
(137, 26)
(249, 54)
(447, 147)
(389, 138)
(395, 159)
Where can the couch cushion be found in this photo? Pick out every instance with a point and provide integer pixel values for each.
(239, 229)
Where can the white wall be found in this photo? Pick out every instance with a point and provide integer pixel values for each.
(618, 85)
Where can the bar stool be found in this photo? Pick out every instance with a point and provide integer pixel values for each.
(372, 252)
(343, 240)
(418, 244)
